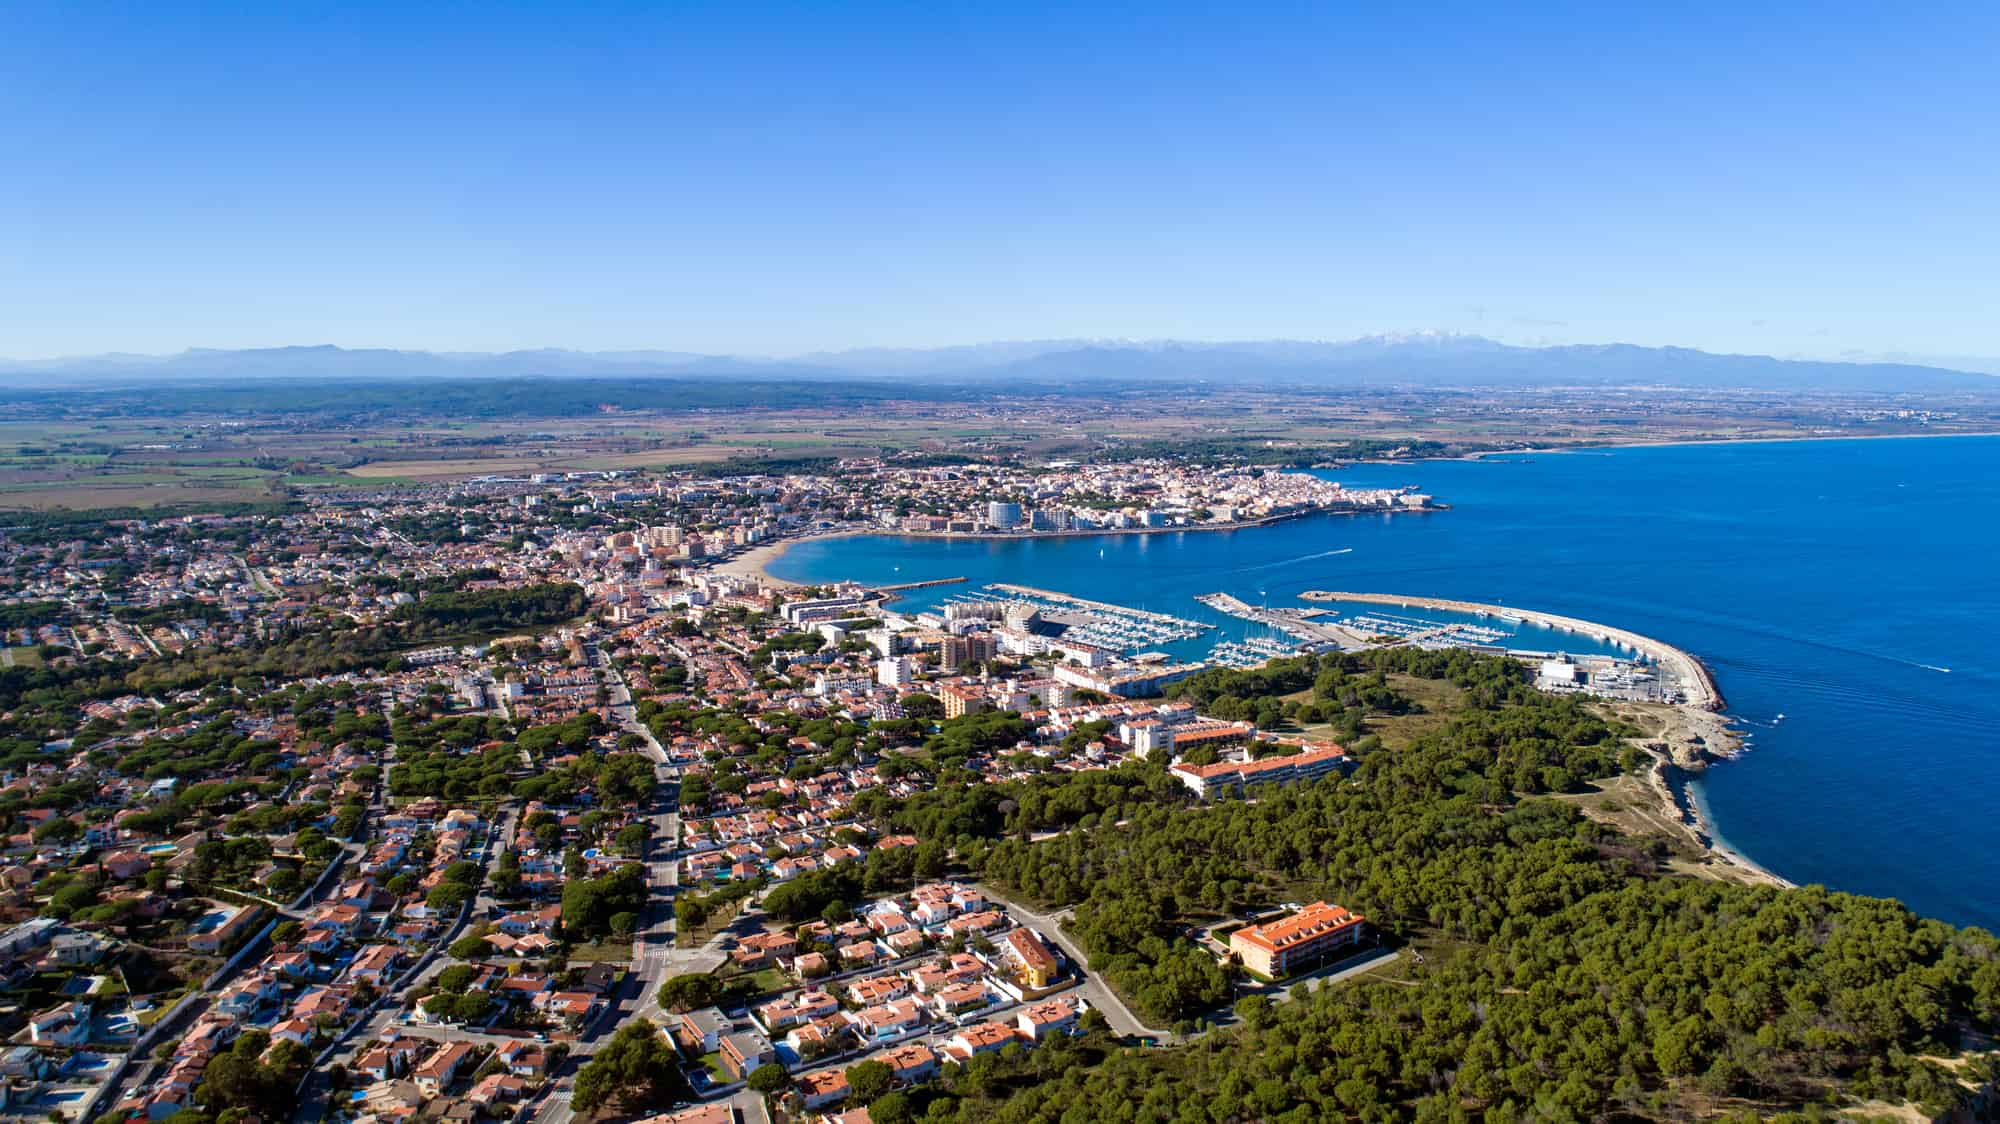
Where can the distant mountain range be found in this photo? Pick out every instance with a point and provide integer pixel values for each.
(1424, 359)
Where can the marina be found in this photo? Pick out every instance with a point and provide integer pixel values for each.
(1302, 625)
(1030, 592)
(1100, 624)
(1249, 653)
(1426, 634)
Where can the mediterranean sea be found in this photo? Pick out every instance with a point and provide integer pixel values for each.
(1845, 593)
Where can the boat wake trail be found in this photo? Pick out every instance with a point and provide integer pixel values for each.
(1292, 561)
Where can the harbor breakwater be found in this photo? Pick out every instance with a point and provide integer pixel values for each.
(1690, 674)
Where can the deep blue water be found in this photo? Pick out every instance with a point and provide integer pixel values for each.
(1830, 582)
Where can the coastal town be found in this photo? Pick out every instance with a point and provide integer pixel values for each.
(518, 799)
(707, 563)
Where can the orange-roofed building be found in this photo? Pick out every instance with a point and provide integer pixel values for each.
(1310, 764)
(1038, 965)
(1274, 949)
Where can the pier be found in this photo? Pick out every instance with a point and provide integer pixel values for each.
(1295, 623)
(1098, 606)
(1689, 672)
(916, 585)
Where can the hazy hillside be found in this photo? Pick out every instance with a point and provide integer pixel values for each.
(1419, 360)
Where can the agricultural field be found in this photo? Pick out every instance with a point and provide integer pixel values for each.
(178, 461)
(83, 453)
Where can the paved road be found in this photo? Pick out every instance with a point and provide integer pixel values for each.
(1094, 989)
(1346, 969)
(654, 956)
(498, 838)
(315, 1091)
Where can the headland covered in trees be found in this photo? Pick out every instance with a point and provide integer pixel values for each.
(1568, 972)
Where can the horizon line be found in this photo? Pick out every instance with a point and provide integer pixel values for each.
(1850, 357)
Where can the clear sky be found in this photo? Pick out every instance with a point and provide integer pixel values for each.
(1785, 178)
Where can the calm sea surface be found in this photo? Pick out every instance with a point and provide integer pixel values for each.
(1852, 587)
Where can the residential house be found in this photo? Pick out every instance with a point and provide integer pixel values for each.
(375, 965)
(440, 1068)
(889, 1021)
(1054, 1016)
(293, 1030)
(322, 1003)
(574, 1009)
(523, 1059)
(911, 1062)
(877, 989)
(960, 997)
(238, 925)
(762, 950)
(704, 1028)
(743, 1051)
(806, 1006)
(64, 1025)
(981, 1038)
(859, 954)
(817, 1090)
(496, 1089)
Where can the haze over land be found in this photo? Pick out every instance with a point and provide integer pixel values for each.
(1420, 359)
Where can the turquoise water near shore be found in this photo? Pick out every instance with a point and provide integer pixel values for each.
(1852, 587)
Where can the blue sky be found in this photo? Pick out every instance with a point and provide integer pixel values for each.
(770, 179)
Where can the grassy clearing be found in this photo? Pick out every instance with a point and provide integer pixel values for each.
(760, 982)
(1438, 703)
(611, 951)
(718, 920)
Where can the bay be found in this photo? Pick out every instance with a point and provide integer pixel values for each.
(1851, 587)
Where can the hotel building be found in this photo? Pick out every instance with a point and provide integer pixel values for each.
(1274, 949)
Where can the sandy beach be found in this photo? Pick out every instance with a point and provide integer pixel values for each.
(751, 564)
(754, 563)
